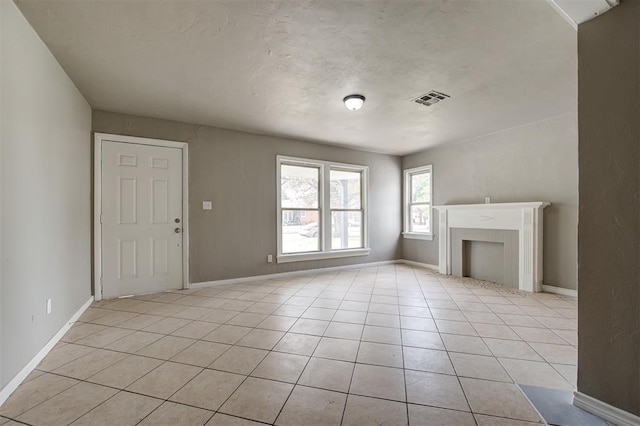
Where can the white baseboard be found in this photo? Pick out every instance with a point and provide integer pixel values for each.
(559, 290)
(420, 264)
(602, 409)
(17, 380)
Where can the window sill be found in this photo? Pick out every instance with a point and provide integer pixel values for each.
(301, 257)
(417, 236)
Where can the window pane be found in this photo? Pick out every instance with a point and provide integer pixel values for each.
(345, 189)
(300, 231)
(299, 186)
(346, 230)
(420, 218)
(421, 188)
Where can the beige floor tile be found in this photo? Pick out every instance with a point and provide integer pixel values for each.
(376, 334)
(420, 415)
(104, 337)
(383, 308)
(239, 360)
(93, 313)
(569, 336)
(277, 323)
(484, 420)
(81, 330)
(569, 372)
(456, 327)
(465, 344)
(192, 313)
(123, 409)
(520, 320)
(559, 354)
(34, 392)
(448, 314)
(322, 314)
(415, 311)
(229, 334)
(343, 330)
(263, 307)
(479, 367)
(114, 318)
(165, 380)
(290, 311)
(422, 339)
(436, 390)
(89, 364)
(327, 374)
(219, 316)
(225, 420)
(308, 406)
(201, 353)
(350, 305)
(498, 399)
(378, 382)
(538, 335)
(310, 326)
(124, 372)
(483, 317)
(427, 360)
(209, 389)
(300, 344)
(384, 320)
(258, 399)
(166, 348)
(68, 406)
(559, 323)
(247, 319)
(281, 366)
(261, 339)
(166, 310)
(167, 325)
(195, 330)
(534, 373)
(63, 355)
(353, 317)
(364, 411)
(495, 331)
(380, 354)
(512, 349)
(171, 414)
(339, 349)
(134, 342)
(140, 321)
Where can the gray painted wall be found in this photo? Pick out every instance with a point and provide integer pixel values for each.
(537, 162)
(237, 171)
(45, 185)
(609, 229)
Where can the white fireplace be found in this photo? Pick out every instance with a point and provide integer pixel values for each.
(526, 218)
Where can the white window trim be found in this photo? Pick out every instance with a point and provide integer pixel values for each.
(407, 203)
(324, 211)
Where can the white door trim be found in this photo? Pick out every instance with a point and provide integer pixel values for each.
(97, 201)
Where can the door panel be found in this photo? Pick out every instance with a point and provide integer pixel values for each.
(141, 219)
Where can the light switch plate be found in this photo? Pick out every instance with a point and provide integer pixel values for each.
(206, 205)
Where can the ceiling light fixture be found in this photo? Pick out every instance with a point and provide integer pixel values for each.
(353, 102)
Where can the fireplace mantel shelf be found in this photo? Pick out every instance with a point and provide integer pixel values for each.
(526, 218)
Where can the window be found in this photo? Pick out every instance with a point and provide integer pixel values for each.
(418, 191)
(321, 210)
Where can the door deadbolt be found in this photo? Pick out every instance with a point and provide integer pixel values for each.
(177, 220)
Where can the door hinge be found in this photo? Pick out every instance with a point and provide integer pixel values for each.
(101, 218)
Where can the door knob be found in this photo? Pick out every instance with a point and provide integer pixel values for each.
(177, 230)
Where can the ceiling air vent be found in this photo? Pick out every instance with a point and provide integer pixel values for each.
(431, 98)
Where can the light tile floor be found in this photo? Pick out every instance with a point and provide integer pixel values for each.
(389, 345)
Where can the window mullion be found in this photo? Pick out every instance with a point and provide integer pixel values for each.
(326, 208)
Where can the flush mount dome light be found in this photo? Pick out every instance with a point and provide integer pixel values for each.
(353, 102)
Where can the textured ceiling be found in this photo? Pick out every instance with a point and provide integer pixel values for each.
(283, 67)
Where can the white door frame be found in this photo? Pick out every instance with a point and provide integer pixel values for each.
(99, 138)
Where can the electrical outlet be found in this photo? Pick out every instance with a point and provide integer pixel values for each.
(207, 205)
(48, 306)
(269, 258)
(487, 200)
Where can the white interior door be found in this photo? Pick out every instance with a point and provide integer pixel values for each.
(141, 219)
